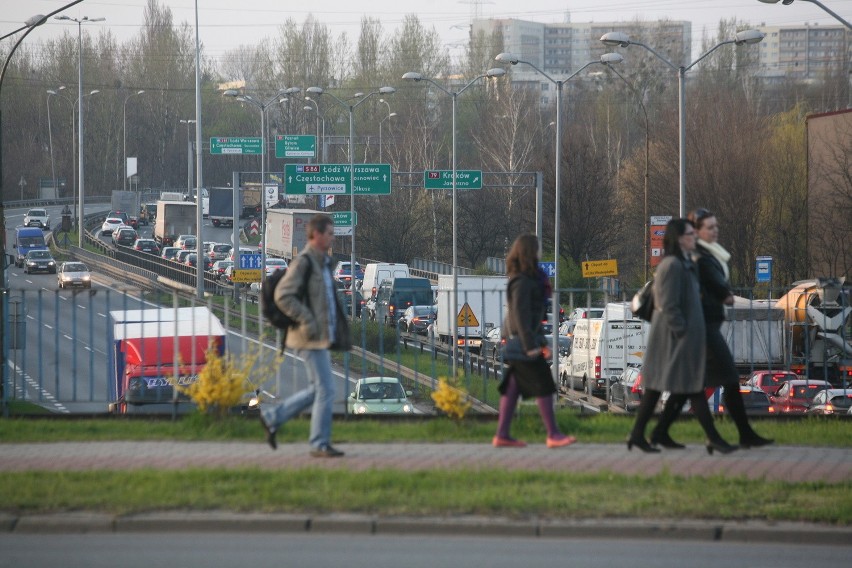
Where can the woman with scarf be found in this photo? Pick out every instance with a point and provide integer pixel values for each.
(714, 276)
(527, 375)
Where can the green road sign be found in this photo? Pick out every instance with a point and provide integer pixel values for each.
(343, 218)
(291, 146)
(235, 146)
(333, 179)
(443, 179)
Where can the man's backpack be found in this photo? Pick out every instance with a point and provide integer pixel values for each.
(270, 309)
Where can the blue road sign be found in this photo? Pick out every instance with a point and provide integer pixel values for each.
(248, 261)
(764, 269)
(549, 268)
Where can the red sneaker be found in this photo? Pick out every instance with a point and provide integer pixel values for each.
(560, 442)
(498, 442)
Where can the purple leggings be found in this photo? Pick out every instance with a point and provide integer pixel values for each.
(508, 402)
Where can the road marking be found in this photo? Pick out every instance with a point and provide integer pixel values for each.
(47, 326)
(33, 384)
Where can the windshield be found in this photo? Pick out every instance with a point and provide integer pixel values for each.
(75, 267)
(37, 213)
(38, 254)
(34, 241)
(378, 391)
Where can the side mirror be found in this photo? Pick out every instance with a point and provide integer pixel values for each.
(352, 395)
(409, 393)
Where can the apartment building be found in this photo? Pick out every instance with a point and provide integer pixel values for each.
(559, 49)
(805, 53)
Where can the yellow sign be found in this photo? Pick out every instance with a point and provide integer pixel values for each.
(467, 318)
(593, 268)
(245, 276)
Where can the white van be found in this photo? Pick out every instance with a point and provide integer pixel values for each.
(376, 272)
(604, 347)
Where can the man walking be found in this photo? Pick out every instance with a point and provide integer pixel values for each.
(321, 327)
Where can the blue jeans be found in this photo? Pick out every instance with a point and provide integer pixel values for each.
(320, 394)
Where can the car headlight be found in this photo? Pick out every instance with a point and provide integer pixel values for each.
(86, 277)
(407, 408)
(31, 263)
(51, 263)
(360, 409)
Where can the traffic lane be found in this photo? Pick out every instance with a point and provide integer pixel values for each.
(241, 547)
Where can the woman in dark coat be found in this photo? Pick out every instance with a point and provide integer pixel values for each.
(526, 293)
(674, 359)
(713, 274)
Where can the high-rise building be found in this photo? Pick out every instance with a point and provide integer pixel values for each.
(806, 53)
(559, 49)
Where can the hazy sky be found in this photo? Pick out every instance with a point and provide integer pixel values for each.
(225, 24)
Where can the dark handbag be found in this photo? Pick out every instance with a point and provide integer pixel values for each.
(513, 350)
(642, 304)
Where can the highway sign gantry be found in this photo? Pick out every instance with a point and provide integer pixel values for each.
(238, 145)
(443, 179)
(292, 146)
(333, 179)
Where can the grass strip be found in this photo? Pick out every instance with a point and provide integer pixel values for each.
(385, 492)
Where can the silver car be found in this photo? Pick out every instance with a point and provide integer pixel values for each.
(74, 274)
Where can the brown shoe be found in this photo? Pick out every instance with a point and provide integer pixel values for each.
(326, 452)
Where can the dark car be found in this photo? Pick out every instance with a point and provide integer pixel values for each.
(831, 401)
(192, 260)
(756, 401)
(39, 261)
(125, 237)
(147, 245)
(794, 397)
(416, 319)
(344, 291)
(626, 391)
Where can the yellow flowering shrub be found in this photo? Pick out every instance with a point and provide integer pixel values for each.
(451, 400)
(226, 379)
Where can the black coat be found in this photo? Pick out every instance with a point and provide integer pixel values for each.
(714, 286)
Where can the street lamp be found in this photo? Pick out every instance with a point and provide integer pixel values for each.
(189, 160)
(605, 59)
(50, 141)
(454, 95)
(351, 107)
(320, 117)
(80, 175)
(621, 39)
(124, 129)
(261, 106)
(646, 235)
(820, 4)
(390, 115)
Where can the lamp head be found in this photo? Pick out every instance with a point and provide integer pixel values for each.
(412, 76)
(774, 1)
(140, 92)
(506, 57)
(307, 107)
(387, 90)
(314, 90)
(94, 92)
(36, 20)
(392, 115)
(495, 72)
(618, 39)
(62, 17)
(749, 36)
(293, 90)
(231, 93)
(610, 58)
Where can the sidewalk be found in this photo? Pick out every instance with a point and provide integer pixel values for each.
(786, 463)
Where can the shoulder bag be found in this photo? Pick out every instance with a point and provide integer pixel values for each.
(642, 304)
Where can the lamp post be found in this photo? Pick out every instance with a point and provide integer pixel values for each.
(621, 39)
(124, 129)
(606, 58)
(646, 236)
(320, 117)
(390, 115)
(261, 106)
(417, 77)
(351, 107)
(80, 174)
(50, 142)
(189, 158)
(820, 4)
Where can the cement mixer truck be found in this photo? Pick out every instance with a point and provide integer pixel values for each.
(819, 319)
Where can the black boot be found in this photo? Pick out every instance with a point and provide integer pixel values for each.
(736, 408)
(660, 435)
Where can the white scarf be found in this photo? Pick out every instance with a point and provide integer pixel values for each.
(719, 253)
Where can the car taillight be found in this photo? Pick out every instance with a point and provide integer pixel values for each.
(829, 408)
(598, 367)
(637, 385)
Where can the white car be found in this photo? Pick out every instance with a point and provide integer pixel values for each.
(74, 274)
(111, 224)
(37, 218)
(273, 264)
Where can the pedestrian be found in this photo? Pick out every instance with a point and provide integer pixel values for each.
(675, 358)
(526, 295)
(714, 276)
(321, 327)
